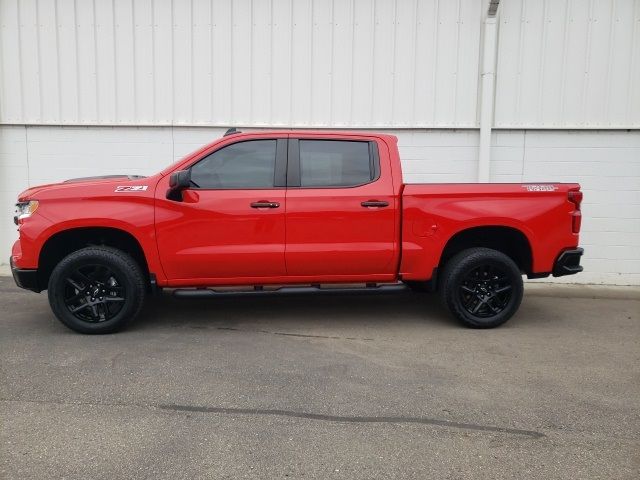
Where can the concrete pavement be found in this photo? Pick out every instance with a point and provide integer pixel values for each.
(373, 386)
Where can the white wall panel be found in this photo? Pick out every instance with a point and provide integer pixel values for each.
(568, 64)
(607, 165)
(323, 63)
(14, 177)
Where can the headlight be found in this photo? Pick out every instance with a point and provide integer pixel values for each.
(25, 210)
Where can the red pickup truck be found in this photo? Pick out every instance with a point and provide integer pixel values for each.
(289, 208)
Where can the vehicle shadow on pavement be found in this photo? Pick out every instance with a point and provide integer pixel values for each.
(267, 311)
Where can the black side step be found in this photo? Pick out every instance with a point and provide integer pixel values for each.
(287, 291)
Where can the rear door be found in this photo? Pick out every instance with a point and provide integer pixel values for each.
(341, 210)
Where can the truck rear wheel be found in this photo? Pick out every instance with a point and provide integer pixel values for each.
(96, 290)
(481, 287)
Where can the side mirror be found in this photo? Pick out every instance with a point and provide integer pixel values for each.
(178, 181)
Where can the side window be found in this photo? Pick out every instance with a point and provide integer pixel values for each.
(241, 165)
(336, 163)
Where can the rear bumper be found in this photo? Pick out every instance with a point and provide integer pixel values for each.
(568, 263)
(27, 279)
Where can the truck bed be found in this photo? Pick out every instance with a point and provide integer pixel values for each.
(433, 213)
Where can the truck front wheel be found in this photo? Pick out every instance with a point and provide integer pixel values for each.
(96, 290)
(481, 287)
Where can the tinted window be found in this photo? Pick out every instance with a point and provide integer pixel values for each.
(332, 163)
(240, 165)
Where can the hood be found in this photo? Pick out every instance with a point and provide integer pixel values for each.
(77, 182)
(103, 177)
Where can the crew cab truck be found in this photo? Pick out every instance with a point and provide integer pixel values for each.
(289, 208)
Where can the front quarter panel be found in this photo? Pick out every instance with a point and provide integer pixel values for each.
(100, 204)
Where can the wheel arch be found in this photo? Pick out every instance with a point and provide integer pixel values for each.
(508, 240)
(64, 242)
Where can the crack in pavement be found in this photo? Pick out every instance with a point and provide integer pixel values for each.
(344, 419)
(303, 415)
(233, 329)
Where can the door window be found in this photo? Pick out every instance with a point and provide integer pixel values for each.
(336, 163)
(242, 165)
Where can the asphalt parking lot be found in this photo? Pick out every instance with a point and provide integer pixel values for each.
(345, 386)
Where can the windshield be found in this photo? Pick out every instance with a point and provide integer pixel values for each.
(192, 154)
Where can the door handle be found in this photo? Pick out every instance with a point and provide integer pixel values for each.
(265, 204)
(375, 203)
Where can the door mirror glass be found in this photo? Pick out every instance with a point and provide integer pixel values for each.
(178, 181)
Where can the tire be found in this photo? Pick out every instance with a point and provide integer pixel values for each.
(96, 290)
(481, 287)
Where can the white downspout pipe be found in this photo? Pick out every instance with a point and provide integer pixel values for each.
(487, 96)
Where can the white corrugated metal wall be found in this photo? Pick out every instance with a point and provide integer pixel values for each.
(568, 64)
(355, 63)
(262, 63)
(112, 66)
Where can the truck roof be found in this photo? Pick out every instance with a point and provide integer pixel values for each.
(311, 131)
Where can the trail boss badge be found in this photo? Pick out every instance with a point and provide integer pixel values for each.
(541, 188)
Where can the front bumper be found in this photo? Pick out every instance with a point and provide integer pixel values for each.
(568, 263)
(27, 279)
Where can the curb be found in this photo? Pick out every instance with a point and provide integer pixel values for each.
(582, 291)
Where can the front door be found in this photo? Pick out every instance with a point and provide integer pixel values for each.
(230, 225)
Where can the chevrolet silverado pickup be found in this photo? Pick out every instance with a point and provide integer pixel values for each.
(286, 210)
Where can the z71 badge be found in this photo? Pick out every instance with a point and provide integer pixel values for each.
(131, 188)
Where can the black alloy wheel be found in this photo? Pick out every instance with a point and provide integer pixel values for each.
(93, 293)
(97, 289)
(481, 287)
(486, 290)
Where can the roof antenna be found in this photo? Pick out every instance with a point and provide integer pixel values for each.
(231, 131)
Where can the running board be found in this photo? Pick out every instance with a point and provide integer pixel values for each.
(287, 291)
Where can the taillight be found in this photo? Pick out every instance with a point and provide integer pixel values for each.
(575, 197)
(576, 221)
